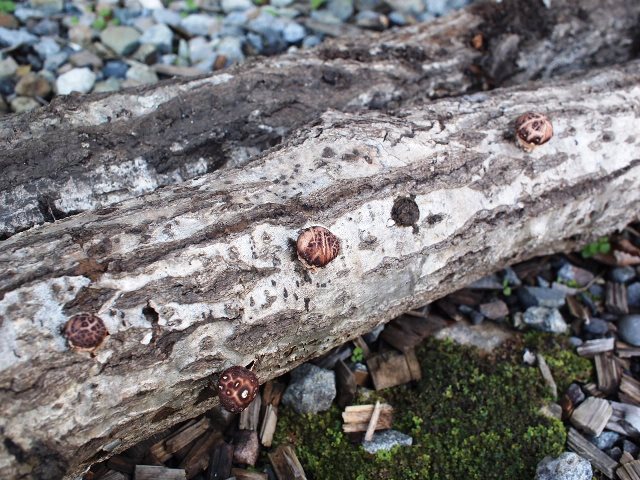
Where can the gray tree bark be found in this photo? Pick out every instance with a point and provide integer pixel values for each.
(82, 153)
(203, 275)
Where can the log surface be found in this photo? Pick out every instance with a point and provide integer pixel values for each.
(82, 153)
(199, 276)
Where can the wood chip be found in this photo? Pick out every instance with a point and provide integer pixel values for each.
(220, 462)
(588, 450)
(242, 474)
(250, 416)
(269, 423)
(373, 423)
(357, 418)
(197, 459)
(177, 71)
(628, 352)
(346, 383)
(607, 372)
(154, 472)
(629, 470)
(593, 347)
(113, 475)
(625, 419)
(616, 298)
(577, 309)
(553, 410)
(629, 390)
(592, 390)
(547, 376)
(592, 415)
(390, 369)
(122, 464)
(405, 332)
(272, 392)
(286, 464)
(450, 309)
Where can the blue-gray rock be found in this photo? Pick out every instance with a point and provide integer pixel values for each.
(633, 294)
(490, 282)
(47, 6)
(15, 38)
(398, 18)
(46, 27)
(236, 19)
(111, 84)
(371, 20)
(115, 68)
(342, 9)
(200, 24)
(293, 32)
(597, 290)
(409, 6)
(8, 67)
(575, 393)
(233, 5)
(270, 29)
(23, 104)
(231, 47)
(6, 86)
(122, 40)
(281, 3)
(75, 80)
(629, 329)
(623, 274)
(255, 41)
(632, 448)
(596, 326)
(311, 390)
(325, 16)
(54, 62)
(126, 16)
(541, 297)
(200, 49)
(575, 341)
(545, 319)
(141, 74)
(311, 41)
(386, 440)
(24, 13)
(46, 47)
(168, 17)
(605, 440)
(615, 453)
(370, 5)
(568, 466)
(571, 273)
(511, 277)
(159, 35)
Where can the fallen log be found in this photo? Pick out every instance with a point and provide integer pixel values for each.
(82, 153)
(202, 275)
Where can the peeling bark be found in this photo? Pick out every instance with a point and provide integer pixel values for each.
(199, 276)
(82, 153)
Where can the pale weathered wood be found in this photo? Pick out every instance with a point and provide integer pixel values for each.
(389, 369)
(194, 278)
(629, 470)
(346, 384)
(197, 459)
(250, 417)
(269, 423)
(373, 422)
(616, 298)
(407, 332)
(286, 464)
(592, 347)
(187, 435)
(628, 352)
(592, 415)
(152, 472)
(588, 450)
(607, 372)
(242, 474)
(357, 418)
(80, 154)
(629, 390)
(545, 371)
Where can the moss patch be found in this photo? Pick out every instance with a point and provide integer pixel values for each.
(470, 417)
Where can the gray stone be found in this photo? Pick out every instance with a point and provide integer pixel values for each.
(54, 62)
(23, 13)
(623, 274)
(369, 4)
(342, 9)
(398, 18)
(596, 326)
(200, 24)
(386, 440)
(605, 440)
(8, 67)
(122, 40)
(111, 84)
(168, 17)
(75, 80)
(141, 74)
(371, 20)
(146, 53)
(46, 47)
(311, 390)
(46, 27)
(231, 47)
(233, 5)
(490, 282)
(159, 35)
(311, 41)
(294, 32)
(200, 49)
(545, 319)
(541, 297)
(632, 448)
(23, 104)
(629, 329)
(633, 295)
(325, 16)
(48, 6)
(571, 273)
(14, 38)
(486, 336)
(281, 3)
(568, 466)
(410, 6)
(236, 19)
(33, 85)
(85, 58)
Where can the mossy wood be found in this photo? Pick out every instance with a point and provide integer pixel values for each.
(86, 152)
(197, 277)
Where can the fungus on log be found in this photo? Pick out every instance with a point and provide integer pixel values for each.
(82, 153)
(200, 276)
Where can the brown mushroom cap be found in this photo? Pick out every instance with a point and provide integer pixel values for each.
(237, 387)
(533, 129)
(85, 332)
(317, 246)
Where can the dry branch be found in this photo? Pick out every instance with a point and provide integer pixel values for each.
(196, 277)
(83, 153)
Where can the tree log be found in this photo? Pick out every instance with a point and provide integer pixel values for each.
(199, 276)
(87, 152)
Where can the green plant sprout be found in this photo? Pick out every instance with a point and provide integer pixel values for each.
(506, 288)
(7, 6)
(601, 245)
(357, 355)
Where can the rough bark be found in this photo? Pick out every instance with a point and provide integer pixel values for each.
(87, 152)
(199, 276)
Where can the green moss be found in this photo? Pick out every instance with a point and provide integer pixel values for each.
(469, 418)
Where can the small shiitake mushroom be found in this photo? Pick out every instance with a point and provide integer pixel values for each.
(85, 332)
(317, 246)
(237, 387)
(532, 130)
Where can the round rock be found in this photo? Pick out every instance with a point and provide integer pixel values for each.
(311, 390)
(629, 329)
(75, 80)
(568, 466)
